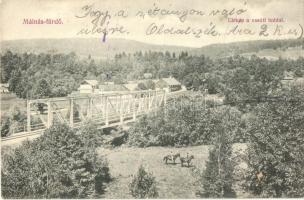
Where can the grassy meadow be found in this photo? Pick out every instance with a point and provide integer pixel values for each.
(173, 181)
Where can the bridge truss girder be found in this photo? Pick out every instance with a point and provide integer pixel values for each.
(102, 108)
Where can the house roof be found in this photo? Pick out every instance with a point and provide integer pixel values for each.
(148, 75)
(4, 88)
(112, 88)
(142, 81)
(288, 75)
(171, 81)
(91, 82)
(136, 81)
(85, 87)
(299, 80)
(108, 83)
(4, 85)
(131, 86)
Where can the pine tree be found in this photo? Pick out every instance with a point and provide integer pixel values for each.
(42, 89)
(143, 185)
(217, 178)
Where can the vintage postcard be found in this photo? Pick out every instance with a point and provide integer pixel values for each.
(170, 99)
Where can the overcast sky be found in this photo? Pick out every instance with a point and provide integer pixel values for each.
(13, 13)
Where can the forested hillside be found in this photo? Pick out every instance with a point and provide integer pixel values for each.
(55, 75)
(107, 50)
(86, 46)
(253, 47)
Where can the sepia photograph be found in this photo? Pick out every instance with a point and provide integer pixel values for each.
(161, 99)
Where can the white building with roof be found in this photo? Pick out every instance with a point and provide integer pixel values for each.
(85, 89)
(169, 84)
(88, 87)
(131, 86)
(4, 88)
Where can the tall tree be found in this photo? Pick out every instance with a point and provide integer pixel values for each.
(42, 89)
(217, 178)
(276, 147)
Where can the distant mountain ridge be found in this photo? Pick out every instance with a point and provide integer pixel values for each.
(86, 46)
(246, 47)
(99, 49)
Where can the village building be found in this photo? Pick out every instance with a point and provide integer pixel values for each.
(135, 85)
(85, 89)
(290, 80)
(299, 82)
(88, 87)
(148, 75)
(93, 87)
(112, 88)
(131, 86)
(108, 83)
(169, 84)
(4, 88)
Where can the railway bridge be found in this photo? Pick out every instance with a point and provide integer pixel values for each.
(106, 110)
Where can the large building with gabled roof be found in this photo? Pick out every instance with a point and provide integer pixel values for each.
(170, 84)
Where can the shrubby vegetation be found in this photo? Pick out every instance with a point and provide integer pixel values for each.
(186, 122)
(59, 164)
(14, 119)
(91, 134)
(143, 184)
(276, 147)
(253, 81)
(273, 129)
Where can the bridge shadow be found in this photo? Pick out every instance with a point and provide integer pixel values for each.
(116, 136)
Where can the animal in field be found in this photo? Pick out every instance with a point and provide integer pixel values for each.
(171, 157)
(186, 159)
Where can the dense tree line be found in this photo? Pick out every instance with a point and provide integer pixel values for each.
(276, 150)
(236, 48)
(186, 122)
(43, 75)
(55, 75)
(62, 163)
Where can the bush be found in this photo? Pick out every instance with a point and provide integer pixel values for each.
(13, 121)
(59, 164)
(143, 185)
(91, 135)
(5, 126)
(185, 122)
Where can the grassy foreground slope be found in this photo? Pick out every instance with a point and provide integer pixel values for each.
(173, 181)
